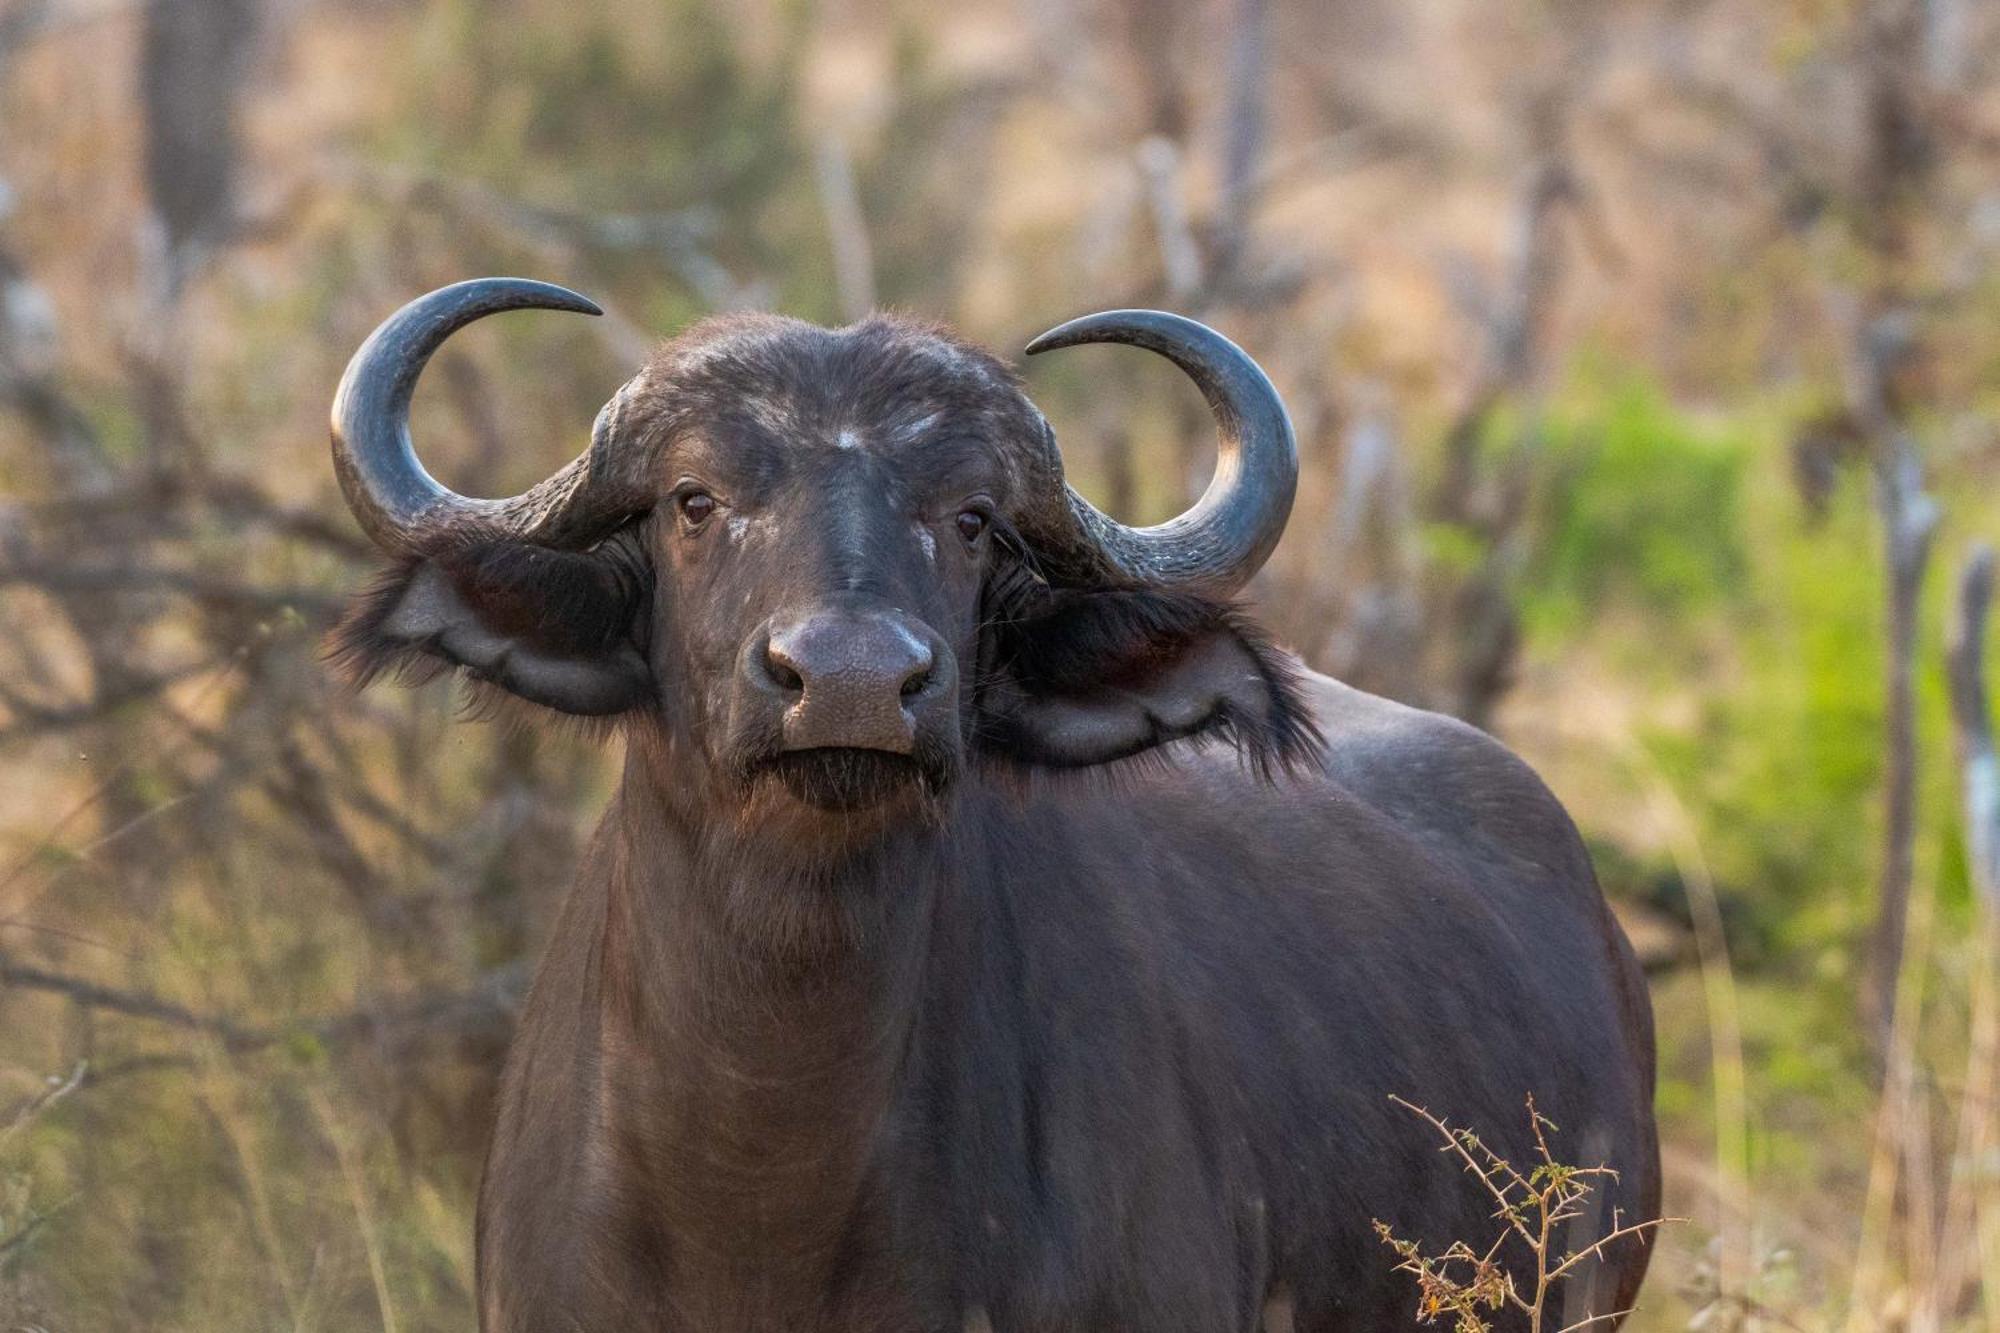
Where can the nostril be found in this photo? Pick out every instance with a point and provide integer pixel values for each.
(779, 667)
(845, 668)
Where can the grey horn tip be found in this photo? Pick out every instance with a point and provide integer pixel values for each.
(1036, 346)
(525, 293)
(1117, 326)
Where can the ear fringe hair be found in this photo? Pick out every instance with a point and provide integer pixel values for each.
(1284, 743)
(357, 650)
(359, 653)
(1286, 740)
(1067, 641)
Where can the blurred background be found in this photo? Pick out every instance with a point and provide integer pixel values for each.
(1645, 356)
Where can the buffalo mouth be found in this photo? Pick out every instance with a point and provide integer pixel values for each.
(839, 779)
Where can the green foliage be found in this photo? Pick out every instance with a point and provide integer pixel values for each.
(1452, 548)
(1783, 761)
(1683, 549)
(1642, 505)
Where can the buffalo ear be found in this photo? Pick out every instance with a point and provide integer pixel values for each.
(556, 628)
(1080, 678)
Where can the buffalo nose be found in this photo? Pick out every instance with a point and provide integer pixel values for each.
(850, 679)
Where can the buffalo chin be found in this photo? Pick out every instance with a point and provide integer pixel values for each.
(845, 781)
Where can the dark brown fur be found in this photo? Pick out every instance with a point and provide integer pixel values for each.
(1082, 1015)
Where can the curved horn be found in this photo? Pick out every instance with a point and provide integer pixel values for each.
(400, 505)
(1216, 546)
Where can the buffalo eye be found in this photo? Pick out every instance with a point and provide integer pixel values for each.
(970, 524)
(696, 507)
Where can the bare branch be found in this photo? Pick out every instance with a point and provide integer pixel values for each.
(146, 500)
(1460, 1281)
(1180, 258)
(1909, 516)
(1595, 1250)
(56, 1089)
(1596, 1319)
(35, 1223)
(1243, 137)
(30, 719)
(64, 576)
(1972, 714)
(560, 234)
(192, 69)
(133, 1004)
(846, 227)
(1979, 778)
(494, 994)
(1454, 1144)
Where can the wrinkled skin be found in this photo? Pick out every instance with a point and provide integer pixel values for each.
(962, 951)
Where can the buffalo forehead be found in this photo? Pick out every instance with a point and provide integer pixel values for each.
(761, 398)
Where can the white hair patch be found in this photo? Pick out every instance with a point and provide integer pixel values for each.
(910, 432)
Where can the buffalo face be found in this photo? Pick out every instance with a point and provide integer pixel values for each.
(828, 571)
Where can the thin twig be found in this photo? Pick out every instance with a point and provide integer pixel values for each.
(496, 992)
(57, 1089)
(1533, 1206)
(357, 1193)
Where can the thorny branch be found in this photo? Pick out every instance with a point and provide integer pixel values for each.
(1460, 1282)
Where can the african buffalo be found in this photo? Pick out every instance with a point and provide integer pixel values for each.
(992, 929)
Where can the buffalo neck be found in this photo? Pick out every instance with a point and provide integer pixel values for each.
(755, 1019)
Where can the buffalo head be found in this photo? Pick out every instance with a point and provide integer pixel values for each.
(829, 570)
